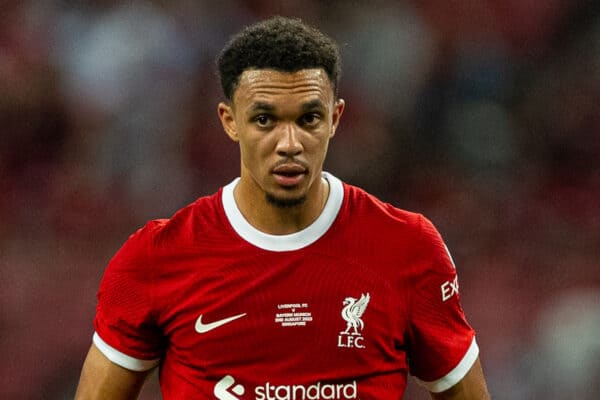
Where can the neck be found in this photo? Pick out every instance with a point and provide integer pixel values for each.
(276, 219)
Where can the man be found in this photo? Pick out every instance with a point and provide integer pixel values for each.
(286, 283)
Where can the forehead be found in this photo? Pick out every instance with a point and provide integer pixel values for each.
(271, 86)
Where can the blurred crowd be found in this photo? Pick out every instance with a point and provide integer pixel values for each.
(484, 116)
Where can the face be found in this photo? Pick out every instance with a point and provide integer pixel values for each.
(283, 122)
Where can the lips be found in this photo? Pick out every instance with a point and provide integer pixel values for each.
(289, 169)
(289, 174)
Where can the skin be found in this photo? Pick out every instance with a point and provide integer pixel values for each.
(282, 120)
(102, 379)
(283, 123)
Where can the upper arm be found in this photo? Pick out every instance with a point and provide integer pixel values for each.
(441, 343)
(103, 379)
(471, 387)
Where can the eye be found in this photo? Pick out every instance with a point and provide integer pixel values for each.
(310, 119)
(263, 120)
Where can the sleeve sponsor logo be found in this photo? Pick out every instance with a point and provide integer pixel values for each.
(449, 289)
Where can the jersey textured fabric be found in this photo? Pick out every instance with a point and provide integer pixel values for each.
(343, 309)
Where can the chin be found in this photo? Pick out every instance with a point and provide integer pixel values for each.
(285, 202)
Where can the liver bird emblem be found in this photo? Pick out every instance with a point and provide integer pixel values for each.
(352, 311)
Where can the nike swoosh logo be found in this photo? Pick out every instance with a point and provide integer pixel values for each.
(203, 328)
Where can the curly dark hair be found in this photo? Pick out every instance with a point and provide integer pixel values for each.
(279, 43)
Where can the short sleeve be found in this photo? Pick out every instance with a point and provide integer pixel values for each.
(442, 346)
(125, 325)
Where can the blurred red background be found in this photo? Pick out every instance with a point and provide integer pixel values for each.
(484, 116)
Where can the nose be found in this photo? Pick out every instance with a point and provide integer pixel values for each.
(289, 143)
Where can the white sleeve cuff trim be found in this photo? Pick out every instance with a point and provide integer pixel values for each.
(121, 359)
(454, 376)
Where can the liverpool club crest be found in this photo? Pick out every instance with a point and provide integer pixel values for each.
(352, 313)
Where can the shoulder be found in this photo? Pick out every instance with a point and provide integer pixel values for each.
(182, 230)
(408, 233)
(362, 205)
(187, 225)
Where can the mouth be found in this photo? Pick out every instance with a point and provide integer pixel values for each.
(289, 174)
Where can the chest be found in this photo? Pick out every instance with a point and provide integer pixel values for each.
(314, 311)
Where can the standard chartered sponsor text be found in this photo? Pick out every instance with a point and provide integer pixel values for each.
(315, 391)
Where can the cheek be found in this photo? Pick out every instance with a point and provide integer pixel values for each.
(255, 152)
(319, 145)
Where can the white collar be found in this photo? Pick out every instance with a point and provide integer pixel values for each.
(292, 241)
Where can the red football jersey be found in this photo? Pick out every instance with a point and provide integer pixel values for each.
(343, 309)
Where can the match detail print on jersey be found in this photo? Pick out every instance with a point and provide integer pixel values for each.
(293, 314)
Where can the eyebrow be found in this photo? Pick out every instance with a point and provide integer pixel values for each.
(267, 107)
(312, 105)
(260, 106)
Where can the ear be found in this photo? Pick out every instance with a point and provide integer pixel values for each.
(227, 118)
(338, 109)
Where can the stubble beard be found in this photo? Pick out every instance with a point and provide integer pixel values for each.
(285, 203)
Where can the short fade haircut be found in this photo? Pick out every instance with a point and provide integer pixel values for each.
(278, 43)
